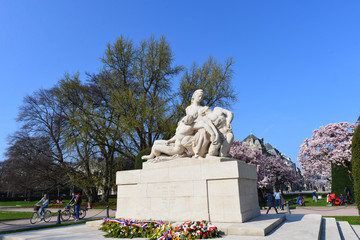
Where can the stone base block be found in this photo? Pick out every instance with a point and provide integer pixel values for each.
(259, 226)
(214, 189)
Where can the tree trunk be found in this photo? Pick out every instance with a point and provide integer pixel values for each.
(105, 195)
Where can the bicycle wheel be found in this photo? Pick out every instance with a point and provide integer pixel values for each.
(47, 216)
(65, 215)
(34, 217)
(82, 213)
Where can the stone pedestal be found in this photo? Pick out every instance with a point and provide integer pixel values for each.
(214, 189)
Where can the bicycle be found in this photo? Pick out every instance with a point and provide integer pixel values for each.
(35, 216)
(69, 212)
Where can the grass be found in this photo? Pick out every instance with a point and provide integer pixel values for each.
(308, 200)
(353, 220)
(4, 215)
(307, 197)
(19, 203)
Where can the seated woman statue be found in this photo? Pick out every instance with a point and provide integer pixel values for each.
(219, 128)
(182, 140)
(202, 132)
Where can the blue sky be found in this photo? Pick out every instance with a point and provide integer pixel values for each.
(297, 62)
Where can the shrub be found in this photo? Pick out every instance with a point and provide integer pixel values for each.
(138, 160)
(340, 179)
(355, 161)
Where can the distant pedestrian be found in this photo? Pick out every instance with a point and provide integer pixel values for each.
(270, 201)
(314, 196)
(342, 199)
(347, 194)
(300, 200)
(77, 206)
(282, 199)
(277, 196)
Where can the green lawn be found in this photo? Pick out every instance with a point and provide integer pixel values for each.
(19, 203)
(353, 220)
(5, 215)
(308, 200)
(13, 215)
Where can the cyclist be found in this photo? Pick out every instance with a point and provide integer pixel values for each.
(73, 197)
(45, 202)
(72, 200)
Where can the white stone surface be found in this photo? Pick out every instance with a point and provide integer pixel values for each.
(259, 226)
(330, 229)
(347, 231)
(215, 189)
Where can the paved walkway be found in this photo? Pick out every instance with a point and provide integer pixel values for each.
(11, 225)
(82, 231)
(324, 211)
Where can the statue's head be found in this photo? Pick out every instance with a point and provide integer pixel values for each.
(197, 96)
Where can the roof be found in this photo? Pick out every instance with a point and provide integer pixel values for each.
(251, 136)
(268, 146)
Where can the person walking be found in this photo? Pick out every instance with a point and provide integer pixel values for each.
(77, 206)
(277, 196)
(282, 199)
(347, 194)
(314, 196)
(270, 201)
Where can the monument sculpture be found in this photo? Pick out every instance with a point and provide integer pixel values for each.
(202, 132)
(209, 185)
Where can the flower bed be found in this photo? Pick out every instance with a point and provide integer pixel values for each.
(158, 230)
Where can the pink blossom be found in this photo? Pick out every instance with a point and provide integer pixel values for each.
(329, 144)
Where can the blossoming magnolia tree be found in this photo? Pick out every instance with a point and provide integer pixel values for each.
(271, 170)
(329, 144)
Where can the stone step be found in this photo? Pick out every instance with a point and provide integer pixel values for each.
(94, 224)
(329, 229)
(346, 231)
(356, 230)
(259, 226)
(299, 226)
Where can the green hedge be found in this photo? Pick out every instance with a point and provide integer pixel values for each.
(138, 160)
(340, 179)
(355, 161)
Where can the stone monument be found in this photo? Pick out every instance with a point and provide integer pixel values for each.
(191, 176)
